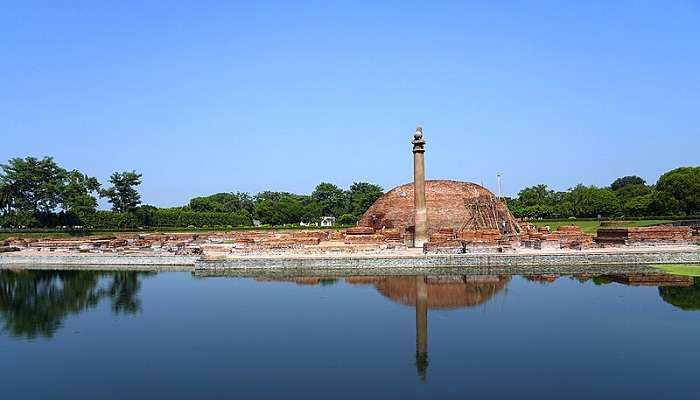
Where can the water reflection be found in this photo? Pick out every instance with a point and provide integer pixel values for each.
(680, 291)
(454, 292)
(434, 292)
(685, 298)
(35, 303)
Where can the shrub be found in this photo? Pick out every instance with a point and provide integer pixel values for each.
(347, 219)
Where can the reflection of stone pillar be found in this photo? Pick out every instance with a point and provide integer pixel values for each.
(420, 235)
(421, 327)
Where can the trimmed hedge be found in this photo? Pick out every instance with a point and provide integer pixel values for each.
(164, 218)
(659, 217)
(179, 218)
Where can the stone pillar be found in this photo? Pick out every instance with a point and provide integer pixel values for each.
(420, 235)
(421, 327)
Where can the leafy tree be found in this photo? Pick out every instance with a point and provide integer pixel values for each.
(638, 206)
(620, 183)
(347, 219)
(224, 202)
(631, 191)
(362, 196)
(332, 199)
(635, 199)
(77, 192)
(537, 201)
(145, 215)
(536, 195)
(36, 185)
(7, 197)
(663, 203)
(122, 194)
(590, 201)
(681, 187)
(287, 208)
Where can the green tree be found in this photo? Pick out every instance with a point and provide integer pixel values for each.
(332, 199)
(620, 183)
(663, 203)
(279, 208)
(7, 198)
(224, 202)
(590, 201)
(631, 191)
(347, 219)
(145, 215)
(77, 193)
(362, 196)
(36, 185)
(537, 201)
(538, 195)
(123, 194)
(638, 206)
(683, 186)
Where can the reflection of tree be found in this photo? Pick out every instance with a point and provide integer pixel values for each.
(35, 303)
(125, 285)
(685, 298)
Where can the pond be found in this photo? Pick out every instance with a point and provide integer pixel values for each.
(115, 335)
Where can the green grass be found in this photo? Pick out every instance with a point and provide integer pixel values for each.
(686, 270)
(592, 226)
(4, 236)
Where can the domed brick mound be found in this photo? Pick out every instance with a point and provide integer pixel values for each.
(461, 206)
(445, 292)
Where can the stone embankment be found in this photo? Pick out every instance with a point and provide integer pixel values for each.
(354, 248)
(517, 261)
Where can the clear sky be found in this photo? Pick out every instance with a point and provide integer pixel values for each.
(204, 97)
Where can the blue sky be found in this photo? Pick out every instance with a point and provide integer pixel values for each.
(203, 97)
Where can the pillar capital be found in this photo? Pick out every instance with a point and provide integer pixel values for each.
(418, 141)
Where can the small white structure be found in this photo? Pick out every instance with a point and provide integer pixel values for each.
(302, 223)
(327, 221)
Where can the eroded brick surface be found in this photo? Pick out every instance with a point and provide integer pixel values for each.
(453, 207)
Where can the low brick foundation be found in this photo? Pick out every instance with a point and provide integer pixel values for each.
(664, 234)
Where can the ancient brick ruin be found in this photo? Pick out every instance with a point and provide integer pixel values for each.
(650, 235)
(460, 215)
(565, 237)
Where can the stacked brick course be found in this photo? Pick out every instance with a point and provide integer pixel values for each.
(650, 235)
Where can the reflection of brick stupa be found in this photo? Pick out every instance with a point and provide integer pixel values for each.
(443, 292)
(434, 292)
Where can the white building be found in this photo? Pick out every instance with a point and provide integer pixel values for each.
(327, 221)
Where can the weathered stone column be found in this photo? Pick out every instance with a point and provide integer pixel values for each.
(421, 327)
(420, 235)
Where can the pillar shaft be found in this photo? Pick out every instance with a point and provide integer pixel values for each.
(421, 326)
(420, 235)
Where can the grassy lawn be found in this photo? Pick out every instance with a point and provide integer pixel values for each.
(687, 270)
(592, 226)
(4, 236)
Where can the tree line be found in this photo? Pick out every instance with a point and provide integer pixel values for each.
(676, 193)
(40, 193)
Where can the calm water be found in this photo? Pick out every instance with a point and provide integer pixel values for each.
(129, 335)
